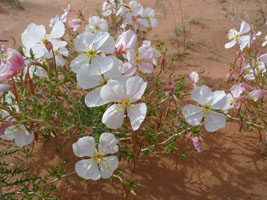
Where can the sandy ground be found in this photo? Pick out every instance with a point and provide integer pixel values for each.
(231, 167)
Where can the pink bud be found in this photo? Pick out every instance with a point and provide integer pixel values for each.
(256, 94)
(245, 87)
(13, 65)
(198, 144)
(74, 24)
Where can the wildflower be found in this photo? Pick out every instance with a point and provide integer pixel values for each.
(209, 101)
(124, 96)
(100, 164)
(12, 63)
(87, 81)
(96, 25)
(93, 48)
(35, 38)
(194, 77)
(125, 42)
(239, 37)
(59, 56)
(258, 68)
(148, 18)
(256, 94)
(62, 18)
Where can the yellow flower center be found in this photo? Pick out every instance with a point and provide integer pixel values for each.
(97, 28)
(91, 53)
(137, 60)
(206, 108)
(236, 37)
(57, 53)
(44, 40)
(126, 103)
(257, 66)
(104, 81)
(97, 157)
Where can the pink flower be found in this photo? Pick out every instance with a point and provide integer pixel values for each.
(197, 142)
(11, 64)
(169, 88)
(256, 94)
(74, 24)
(237, 90)
(125, 42)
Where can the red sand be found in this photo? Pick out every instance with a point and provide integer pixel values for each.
(231, 167)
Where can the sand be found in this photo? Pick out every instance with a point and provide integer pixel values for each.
(231, 167)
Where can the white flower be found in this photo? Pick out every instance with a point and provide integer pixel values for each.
(16, 132)
(258, 68)
(35, 37)
(265, 42)
(97, 25)
(110, 7)
(97, 166)
(209, 102)
(93, 48)
(87, 81)
(62, 18)
(148, 18)
(239, 37)
(194, 77)
(125, 95)
(59, 53)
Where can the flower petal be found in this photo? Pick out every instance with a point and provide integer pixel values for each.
(58, 30)
(85, 146)
(108, 166)
(100, 65)
(108, 144)
(214, 121)
(87, 169)
(77, 62)
(137, 114)
(112, 91)
(201, 94)
(135, 88)
(86, 81)
(193, 114)
(244, 28)
(23, 137)
(230, 44)
(93, 99)
(114, 116)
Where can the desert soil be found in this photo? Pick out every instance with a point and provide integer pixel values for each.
(231, 167)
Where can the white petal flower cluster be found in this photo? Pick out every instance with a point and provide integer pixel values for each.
(101, 163)
(143, 59)
(209, 102)
(35, 38)
(96, 25)
(93, 49)
(259, 68)
(242, 37)
(17, 132)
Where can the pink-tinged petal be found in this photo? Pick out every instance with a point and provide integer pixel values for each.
(74, 24)
(201, 94)
(244, 28)
(58, 30)
(94, 99)
(85, 146)
(114, 116)
(146, 67)
(131, 55)
(197, 142)
(236, 91)
(263, 58)
(4, 88)
(13, 65)
(128, 69)
(257, 94)
(137, 114)
(245, 87)
(32, 35)
(193, 114)
(135, 88)
(230, 44)
(214, 121)
(108, 166)
(87, 169)
(108, 144)
(146, 52)
(113, 91)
